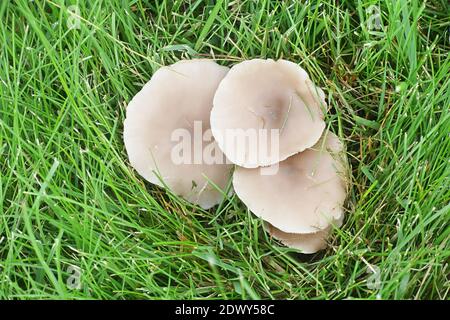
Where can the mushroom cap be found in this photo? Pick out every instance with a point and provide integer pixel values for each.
(305, 194)
(306, 242)
(267, 94)
(174, 98)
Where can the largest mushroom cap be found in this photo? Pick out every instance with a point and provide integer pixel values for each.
(305, 195)
(270, 95)
(174, 100)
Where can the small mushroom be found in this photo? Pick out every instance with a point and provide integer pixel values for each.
(271, 95)
(306, 242)
(305, 195)
(178, 97)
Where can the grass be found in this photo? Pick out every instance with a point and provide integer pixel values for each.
(69, 198)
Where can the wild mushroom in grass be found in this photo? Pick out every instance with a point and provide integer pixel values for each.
(305, 196)
(271, 95)
(305, 242)
(178, 97)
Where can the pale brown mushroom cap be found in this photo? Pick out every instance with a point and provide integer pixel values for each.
(305, 195)
(306, 242)
(267, 94)
(174, 98)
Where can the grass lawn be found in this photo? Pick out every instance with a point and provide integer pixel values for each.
(76, 221)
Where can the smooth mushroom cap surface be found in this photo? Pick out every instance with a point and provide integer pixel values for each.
(306, 242)
(307, 192)
(267, 94)
(174, 98)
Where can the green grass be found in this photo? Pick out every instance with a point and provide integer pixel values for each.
(69, 197)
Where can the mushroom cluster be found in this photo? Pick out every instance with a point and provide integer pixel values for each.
(265, 118)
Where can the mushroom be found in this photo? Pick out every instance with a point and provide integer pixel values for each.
(305, 195)
(261, 96)
(306, 242)
(177, 100)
